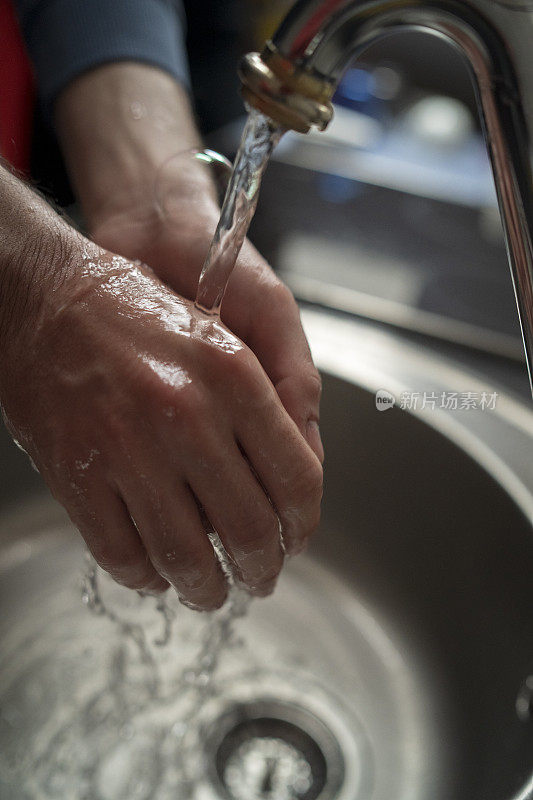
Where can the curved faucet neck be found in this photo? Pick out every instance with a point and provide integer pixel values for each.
(319, 38)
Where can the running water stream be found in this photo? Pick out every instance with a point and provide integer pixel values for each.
(259, 138)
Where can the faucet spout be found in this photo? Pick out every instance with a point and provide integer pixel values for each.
(296, 75)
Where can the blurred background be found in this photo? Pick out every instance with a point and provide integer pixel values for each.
(390, 214)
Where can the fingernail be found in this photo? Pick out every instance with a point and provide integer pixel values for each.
(312, 434)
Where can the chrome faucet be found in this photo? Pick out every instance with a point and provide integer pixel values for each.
(294, 78)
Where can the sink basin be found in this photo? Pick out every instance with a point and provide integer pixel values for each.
(396, 656)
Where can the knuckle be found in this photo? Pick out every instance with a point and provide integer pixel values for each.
(248, 380)
(252, 533)
(215, 354)
(239, 373)
(301, 514)
(306, 485)
(172, 388)
(223, 360)
(282, 296)
(190, 401)
(313, 383)
(116, 427)
(152, 388)
(239, 366)
(189, 409)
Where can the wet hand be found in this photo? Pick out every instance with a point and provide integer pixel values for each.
(138, 411)
(257, 306)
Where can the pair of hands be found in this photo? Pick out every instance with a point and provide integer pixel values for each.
(143, 415)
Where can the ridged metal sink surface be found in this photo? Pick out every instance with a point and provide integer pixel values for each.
(396, 653)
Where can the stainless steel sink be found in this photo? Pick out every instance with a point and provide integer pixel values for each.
(396, 657)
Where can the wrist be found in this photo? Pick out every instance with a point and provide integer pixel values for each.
(117, 125)
(36, 248)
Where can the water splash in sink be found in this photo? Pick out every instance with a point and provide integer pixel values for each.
(194, 682)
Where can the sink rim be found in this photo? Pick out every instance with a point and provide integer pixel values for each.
(374, 359)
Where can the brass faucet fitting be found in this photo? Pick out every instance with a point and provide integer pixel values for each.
(290, 95)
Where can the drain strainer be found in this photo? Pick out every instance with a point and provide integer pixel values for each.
(271, 750)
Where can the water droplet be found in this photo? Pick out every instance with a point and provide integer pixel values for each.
(138, 110)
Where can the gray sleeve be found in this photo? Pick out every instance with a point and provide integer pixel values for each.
(68, 37)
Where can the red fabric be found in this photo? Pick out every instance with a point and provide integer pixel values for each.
(16, 92)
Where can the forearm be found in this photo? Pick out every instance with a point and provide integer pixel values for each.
(117, 125)
(35, 245)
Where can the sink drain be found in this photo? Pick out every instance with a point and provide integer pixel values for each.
(271, 750)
